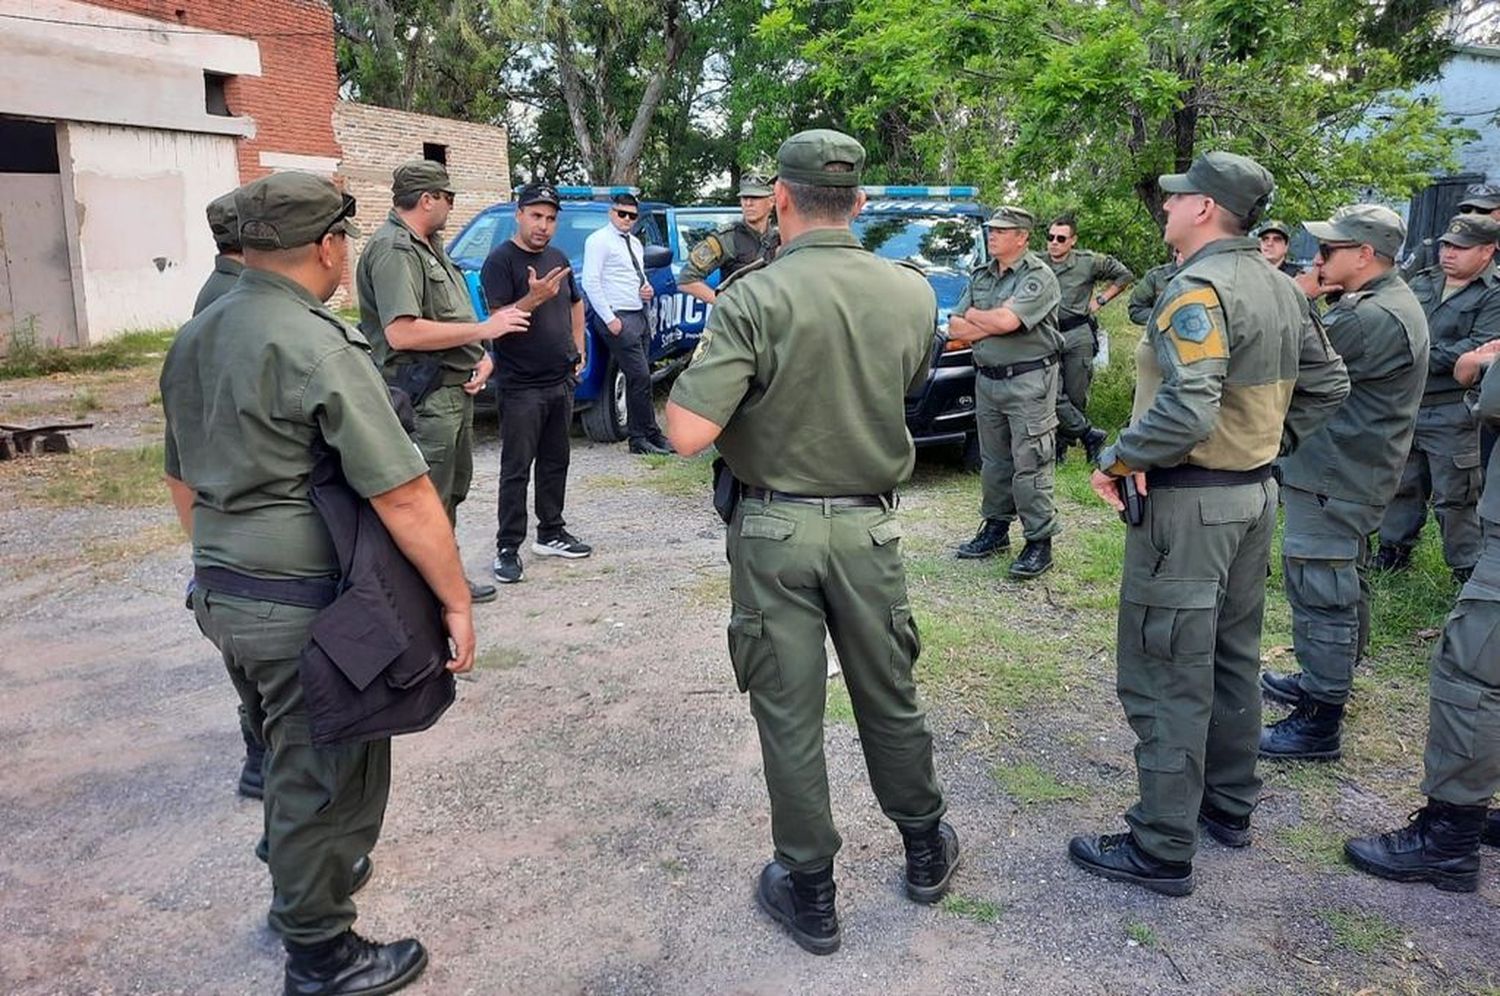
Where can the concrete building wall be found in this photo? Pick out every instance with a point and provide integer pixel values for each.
(1468, 91)
(376, 140)
(142, 243)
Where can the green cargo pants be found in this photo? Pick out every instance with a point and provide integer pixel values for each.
(1017, 423)
(323, 806)
(796, 569)
(1188, 653)
(1443, 465)
(1077, 376)
(1323, 551)
(445, 435)
(1463, 731)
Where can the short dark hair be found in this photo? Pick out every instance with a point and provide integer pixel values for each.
(408, 200)
(1067, 221)
(835, 204)
(625, 200)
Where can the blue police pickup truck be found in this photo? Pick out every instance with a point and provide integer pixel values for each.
(938, 228)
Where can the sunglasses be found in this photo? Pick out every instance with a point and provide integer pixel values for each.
(1058, 238)
(346, 210)
(632, 215)
(1326, 249)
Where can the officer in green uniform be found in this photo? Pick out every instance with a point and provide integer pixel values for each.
(225, 225)
(1239, 371)
(1336, 485)
(800, 379)
(249, 389)
(731, 247)
(1479, 198)
(1275, 239)
(1461, 297)
(1079, 272)
(1145, 292)
(1009, 313)
(1441, 842)
(414, 309)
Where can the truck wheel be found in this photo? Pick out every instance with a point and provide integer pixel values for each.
(605, 420)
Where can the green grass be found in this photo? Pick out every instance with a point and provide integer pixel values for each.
(839, 709)
(1141, 933)
(1027, 784)
(499, 659)
(673, 475)
(1362, 933)
(27, 356)
(978, 910)
(1312, 843)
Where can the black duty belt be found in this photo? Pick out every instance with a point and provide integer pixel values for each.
(1188, 476)
(1016, 369)
(885, 500)
(310, 593)
(1073, 321)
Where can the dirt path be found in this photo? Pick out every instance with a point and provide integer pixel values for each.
(590, 815)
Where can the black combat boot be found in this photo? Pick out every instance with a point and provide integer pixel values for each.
(993, 535)
(1117, 857)
(1231, 831)
(1461, 575)
(1283, 688)
(253, 774)
(1034, 561)
(349, 965)
(1391, 557)
(1440, 845)
(1491, 835)
(1093, 442)
(802, 902)
(1310, 733)
(931, 857)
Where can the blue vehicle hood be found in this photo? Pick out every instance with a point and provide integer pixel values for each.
(949, 286)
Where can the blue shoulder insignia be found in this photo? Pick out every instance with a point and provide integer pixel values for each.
(1191, 323)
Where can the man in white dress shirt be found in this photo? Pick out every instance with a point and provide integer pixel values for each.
(615, 283)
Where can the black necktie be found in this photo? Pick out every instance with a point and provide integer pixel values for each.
(629, 251)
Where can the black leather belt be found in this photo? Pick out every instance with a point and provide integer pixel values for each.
(1188, 476)
(1016, 369)
(1073, 321)
(310, 593)
(886, 500)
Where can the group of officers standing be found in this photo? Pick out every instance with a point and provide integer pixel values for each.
(799, 382)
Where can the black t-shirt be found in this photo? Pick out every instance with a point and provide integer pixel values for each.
(544, 354)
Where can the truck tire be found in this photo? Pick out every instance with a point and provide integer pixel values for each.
(605, 420)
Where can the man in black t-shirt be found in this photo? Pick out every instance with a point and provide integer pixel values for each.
(537, 371)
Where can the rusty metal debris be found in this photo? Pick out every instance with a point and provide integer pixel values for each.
(30, 440)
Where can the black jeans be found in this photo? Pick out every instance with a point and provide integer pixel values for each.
(534, 424)
(630, 350)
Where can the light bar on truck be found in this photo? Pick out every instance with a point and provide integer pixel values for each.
(902, 192)
(578, 192)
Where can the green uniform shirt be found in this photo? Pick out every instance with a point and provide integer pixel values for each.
(1487, 411)
(728, 249)
(226, 272)
(399, 275)
(1236, 368)
(1147, 290)
(1381, 334)
(806, 364)
(247, 389)
(1080, 273)
(1463, 320)
(1030, 290)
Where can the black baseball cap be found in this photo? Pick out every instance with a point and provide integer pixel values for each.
(538, 193)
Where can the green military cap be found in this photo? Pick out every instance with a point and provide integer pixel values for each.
(1466, 230)
(223, 221)
(286, 210)
(807, 157)
(1010, 216)
(1374, 225)
(1481, 197)
(1275, 227)
(1238, 183)
(754, 184)
(420, 176)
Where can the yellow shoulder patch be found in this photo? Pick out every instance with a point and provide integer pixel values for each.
(706, 254)
(1193, 322)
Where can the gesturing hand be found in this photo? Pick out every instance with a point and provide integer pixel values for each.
(543, 289)
(505, 321)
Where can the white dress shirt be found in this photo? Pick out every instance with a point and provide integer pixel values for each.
(609, 278)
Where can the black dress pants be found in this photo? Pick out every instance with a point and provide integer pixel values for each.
(631, 353)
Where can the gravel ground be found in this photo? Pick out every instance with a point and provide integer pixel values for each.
(590, 815)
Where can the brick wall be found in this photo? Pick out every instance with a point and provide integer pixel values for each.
(376, 140)
(292, 100)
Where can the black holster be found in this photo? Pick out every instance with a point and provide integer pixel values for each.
(1134, 512)
(417, 380)
(726, 490)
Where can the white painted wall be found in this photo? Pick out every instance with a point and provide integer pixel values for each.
(142, 243)
(1468, 92)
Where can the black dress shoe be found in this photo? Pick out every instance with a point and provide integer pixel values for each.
(252, 773)
(479, 593)
(362, 869)
(1283, 688)
(1440, 845)
(1115, 856)
(803, 903)
(349, 965)
(931, 859)
(1231, 831)
(650, 446)
(993, 535)
(1034, 561)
